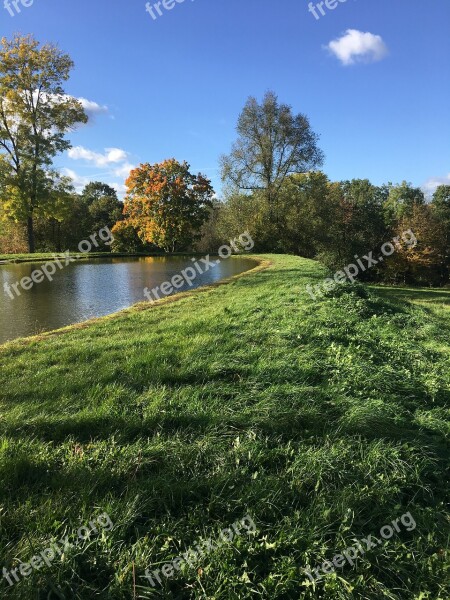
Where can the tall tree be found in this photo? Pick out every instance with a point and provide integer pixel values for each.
(273, 143)
(35, 115)
(167, 204)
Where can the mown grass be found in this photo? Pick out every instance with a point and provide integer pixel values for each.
(323, 420)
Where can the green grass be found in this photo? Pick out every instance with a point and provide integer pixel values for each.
(323, 420)
(435, 299)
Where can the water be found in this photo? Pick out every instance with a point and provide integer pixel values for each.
(92, 288)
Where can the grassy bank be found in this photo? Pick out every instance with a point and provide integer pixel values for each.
(324, 421)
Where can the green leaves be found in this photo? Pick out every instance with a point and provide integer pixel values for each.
(35, 115)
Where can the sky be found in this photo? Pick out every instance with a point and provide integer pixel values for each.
(371, 75)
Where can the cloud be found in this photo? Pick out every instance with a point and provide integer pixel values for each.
(356, 46)
(124, 170)
(120, 188)
(81, 181)
(92, 108)
(430, 185)
(113, 164)
(78, 181)
(110, 156)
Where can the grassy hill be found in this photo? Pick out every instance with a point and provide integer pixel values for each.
(325, 421)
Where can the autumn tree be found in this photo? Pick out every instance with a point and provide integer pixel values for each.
(167, 204)
(35, 116)
(273, 143)
(422, 262)
(440, 208)
(12, 236)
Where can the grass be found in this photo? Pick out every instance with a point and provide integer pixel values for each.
(437, 300)
(323, 420)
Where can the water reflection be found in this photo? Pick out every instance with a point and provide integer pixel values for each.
(83, 290)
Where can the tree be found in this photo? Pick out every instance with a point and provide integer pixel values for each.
(95, 190)
(273, 143)
(12, 236)
(75, 227)
(126, 239)
(440, 207)
(240, 213)
(57, 208)
(362, 228)
(167, 204)
(209, 235)
(35, 115)
(401, 200)
(305, 214)
(104, 207)
(424, 262)
(441, 196)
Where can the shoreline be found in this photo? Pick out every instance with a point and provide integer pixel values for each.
(261, 264)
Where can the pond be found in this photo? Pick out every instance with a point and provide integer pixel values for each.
(86, 289)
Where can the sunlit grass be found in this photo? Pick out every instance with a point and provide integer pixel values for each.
(324, 420)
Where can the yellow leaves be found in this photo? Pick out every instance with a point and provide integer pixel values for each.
(166, 203)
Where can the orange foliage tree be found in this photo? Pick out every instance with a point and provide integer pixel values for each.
(424, 262)
(166, 204)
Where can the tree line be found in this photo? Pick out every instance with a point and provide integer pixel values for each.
(337, 222)
(273, 187)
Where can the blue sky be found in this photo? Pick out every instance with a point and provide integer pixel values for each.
(174, 86)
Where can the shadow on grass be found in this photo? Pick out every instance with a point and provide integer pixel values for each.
(297, 424)
(411, 294)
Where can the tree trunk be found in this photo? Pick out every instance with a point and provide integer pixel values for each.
(30, 234)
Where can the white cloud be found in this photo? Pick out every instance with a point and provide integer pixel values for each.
(120, 188)
(430, 185)
(124, 170)
(113, 164)
(110, 156)
(78, 181)
(81, 181)
(358, 46)
(92, 108)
